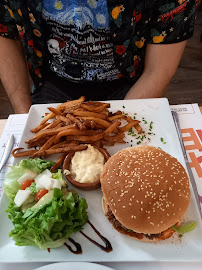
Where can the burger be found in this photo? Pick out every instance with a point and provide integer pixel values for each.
(145, 192)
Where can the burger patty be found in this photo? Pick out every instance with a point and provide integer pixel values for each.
(119, 227)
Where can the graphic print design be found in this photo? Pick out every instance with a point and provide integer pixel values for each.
(79, 42)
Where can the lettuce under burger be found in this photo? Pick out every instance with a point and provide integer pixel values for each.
(50, 220)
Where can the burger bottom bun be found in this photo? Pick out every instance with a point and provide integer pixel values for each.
(137, 236)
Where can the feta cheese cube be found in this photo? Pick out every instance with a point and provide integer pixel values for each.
(21, 196)
(45, 181)
(56, 184)
(38, 186)
(28, 175)
(45, 172)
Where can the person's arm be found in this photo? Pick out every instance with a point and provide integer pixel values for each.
(14, 74)
(161, 62)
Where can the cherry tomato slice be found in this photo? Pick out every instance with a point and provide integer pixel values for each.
(26, 184)
(41, 193)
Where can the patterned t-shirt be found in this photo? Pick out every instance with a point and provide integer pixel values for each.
(133, 25)
(79, 45)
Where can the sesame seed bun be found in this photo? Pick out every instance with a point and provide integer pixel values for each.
(137, 236)
(146, 189)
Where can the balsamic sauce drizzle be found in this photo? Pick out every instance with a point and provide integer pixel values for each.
(77, 245)
(107, 248)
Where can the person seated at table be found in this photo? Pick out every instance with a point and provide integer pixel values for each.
(103, 49)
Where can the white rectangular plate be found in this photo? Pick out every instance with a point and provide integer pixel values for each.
(188, 248)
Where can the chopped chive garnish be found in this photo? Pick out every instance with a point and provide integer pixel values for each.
(149, 139)
(134, 117)
(162, 140)
(139, 142)
(124, 107)
(150, 126)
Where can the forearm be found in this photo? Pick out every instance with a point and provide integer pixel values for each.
(149, 85)
(161, 62)
(14, 74)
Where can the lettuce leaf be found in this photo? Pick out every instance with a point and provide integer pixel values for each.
(33, 189)
(58, 176)
(185, 228)
(11, 185)
(37, 165)
(50, 225)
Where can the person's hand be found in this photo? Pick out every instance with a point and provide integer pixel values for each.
(22, 109)
(21, 104)
(161, 62)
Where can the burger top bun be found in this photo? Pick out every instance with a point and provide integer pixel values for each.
(146, 189)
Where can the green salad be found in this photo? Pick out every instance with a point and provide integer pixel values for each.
(44, 213)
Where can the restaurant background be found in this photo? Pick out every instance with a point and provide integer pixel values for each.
(186, 85)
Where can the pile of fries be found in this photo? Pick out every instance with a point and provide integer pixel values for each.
(71, 125)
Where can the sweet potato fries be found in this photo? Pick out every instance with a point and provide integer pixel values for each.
(71, 125)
